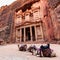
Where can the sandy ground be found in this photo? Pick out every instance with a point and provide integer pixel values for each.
(10, 52)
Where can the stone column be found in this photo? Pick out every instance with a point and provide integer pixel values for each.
(35, 33)
(31, 33)
(24, 35)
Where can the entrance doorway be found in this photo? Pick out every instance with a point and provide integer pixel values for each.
(28, 36)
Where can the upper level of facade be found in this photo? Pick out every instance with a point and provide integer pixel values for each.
(34, 13)
(31, 15)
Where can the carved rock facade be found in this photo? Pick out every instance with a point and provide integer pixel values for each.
(50, 13)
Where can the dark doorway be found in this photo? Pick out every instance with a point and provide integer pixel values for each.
(22, 35)
(33, 33)
(28, 37)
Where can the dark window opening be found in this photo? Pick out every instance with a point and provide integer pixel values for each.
(18, 29)
(33, 33)
(22, 35)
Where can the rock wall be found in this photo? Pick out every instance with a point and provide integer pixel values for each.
(55, 16)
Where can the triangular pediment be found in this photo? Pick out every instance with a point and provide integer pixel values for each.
(27, 22)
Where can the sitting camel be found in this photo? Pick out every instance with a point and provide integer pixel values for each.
(22, 47)
(32, 48)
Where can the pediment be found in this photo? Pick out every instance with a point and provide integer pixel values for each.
(27, 22)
